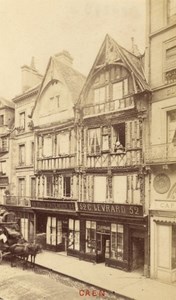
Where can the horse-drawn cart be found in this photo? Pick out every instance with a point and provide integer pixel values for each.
(9, 235)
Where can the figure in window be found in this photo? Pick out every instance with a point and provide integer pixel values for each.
(118, 147)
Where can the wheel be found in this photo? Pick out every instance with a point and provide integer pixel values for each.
(0, 256)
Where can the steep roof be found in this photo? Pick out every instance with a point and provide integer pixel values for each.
(60, 71)
(6, 103)
(112, 53)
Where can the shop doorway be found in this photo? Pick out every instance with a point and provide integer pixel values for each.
(137, 254)
(41, 220)
(103, 241)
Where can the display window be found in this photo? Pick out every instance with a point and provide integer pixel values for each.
(90, 237)
(117, 241)
(74, 235)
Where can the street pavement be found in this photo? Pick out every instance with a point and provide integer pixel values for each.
(133, 284)
(19, 284)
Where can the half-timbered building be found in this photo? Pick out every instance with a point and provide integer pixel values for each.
(112, 222)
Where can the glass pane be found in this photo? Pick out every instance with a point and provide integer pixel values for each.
(71, 224)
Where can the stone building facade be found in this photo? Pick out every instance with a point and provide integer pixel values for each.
(161, 154)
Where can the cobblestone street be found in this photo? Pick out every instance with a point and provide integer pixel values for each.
(18, 284)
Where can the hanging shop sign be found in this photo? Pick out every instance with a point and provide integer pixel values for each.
(58, 205)
(112, 209)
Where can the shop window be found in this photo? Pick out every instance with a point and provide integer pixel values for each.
(1, 120)
(117, 241)
(74, 234)
(67, 186)
(99, 188)
(90, 237)
(118, 138)
(3, 167)
(24, 228)
(22, 121)
(47, 145)
(94, 141)
(21, 154)
(119, 187)
(63, 143)
(174, 247)
(51, 238)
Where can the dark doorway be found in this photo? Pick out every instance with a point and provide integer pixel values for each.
(137, 253)
(41, 220)
(102, 242)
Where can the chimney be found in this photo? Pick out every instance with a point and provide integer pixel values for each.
(30, 76)
(134, 48)
(65, 58)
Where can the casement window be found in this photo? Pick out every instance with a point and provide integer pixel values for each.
(32, 152)
(63, 143)
(99, 188)
(120, 89)
(117, 241)
(22, 120)
(74, 235)
(171, 127)
(49, 186)
(67, 186)
(1, 120)
(170, 65)
(90, 237)
(47, 145)
(171, 10)
(100, 95)
(4, 144)
(3, 167)
(118, 137)
(21, 154)
(105, 139)
(119, 187)
(33, 187)
(94, 140)
(21, 187)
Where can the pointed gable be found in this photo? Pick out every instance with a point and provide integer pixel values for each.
(112, 54)
(58, 93)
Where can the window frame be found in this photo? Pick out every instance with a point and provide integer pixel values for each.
(21, 161)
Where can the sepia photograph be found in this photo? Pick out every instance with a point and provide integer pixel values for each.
(88, 149)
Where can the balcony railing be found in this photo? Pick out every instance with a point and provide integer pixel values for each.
(161, 153)
(109, 106)
(17, 200)
(60, 162)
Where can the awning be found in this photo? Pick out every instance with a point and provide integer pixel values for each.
(166, 220)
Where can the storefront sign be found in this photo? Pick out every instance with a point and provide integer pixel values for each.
(58, 205)
(112, 209)
(165, 205)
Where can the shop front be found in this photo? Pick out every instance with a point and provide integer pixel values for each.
(163, 245)
(113, 234)
(51, 223)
